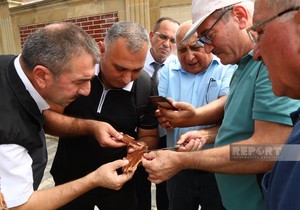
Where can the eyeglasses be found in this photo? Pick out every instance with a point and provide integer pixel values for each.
(205, 39)
(165, 37)
(252, 30)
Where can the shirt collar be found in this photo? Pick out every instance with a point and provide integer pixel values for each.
(246, 58)
(128, 87)
(150, 58)
(41, 103)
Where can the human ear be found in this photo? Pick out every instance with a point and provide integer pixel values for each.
(101, 48)
(41, 75)
(242, 16)
(151, 37)
(151, 34)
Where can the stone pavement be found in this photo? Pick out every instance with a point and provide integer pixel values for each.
(48, 180)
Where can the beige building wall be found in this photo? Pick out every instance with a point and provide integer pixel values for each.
(181, 13)
(145, 12)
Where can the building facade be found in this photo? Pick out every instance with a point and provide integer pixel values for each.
(20, 18)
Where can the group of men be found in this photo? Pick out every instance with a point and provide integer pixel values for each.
(62, 67)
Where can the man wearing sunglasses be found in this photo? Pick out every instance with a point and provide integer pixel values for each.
(276, 36)
(253, 114)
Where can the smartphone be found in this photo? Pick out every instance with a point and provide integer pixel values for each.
(162, 102)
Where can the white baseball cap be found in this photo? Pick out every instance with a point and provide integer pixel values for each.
(201, 9)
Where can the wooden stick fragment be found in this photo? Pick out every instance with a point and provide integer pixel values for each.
(2, 202)
(136, 156)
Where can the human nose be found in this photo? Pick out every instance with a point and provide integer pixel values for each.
(85, 89)
(256, 52)
(127, 77)
(169, 42)
(189, 55)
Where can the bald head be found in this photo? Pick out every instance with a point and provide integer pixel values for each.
(191, 55)
(182, 30)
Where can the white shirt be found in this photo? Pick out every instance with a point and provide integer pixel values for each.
(16, 178)
(149, 60)
(148, 67)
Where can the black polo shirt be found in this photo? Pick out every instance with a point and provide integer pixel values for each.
(77, 156)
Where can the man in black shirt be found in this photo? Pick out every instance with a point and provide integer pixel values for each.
(113, 99)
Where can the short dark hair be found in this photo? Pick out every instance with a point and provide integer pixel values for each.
(54, 45)
(160, 20)
(135, 35)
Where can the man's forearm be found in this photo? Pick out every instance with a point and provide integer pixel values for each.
(218, 159)
(58, 196)
(149, 137)
(211, 113)
(60, 125)
(52, 198)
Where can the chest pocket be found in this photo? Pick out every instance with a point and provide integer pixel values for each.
(213, 89)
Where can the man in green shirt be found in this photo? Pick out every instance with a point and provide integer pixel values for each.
(253, 115)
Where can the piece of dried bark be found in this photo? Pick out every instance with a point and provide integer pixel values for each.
(2, 202)
(134, 157)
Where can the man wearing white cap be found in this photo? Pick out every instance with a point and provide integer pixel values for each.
(253, 116)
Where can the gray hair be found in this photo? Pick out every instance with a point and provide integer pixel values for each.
(280, 5)
(160, 20)
(55, 45)
(134, 35)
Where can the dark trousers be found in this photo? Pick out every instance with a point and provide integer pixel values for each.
(190, 188)
(162, 200)
(143, 188)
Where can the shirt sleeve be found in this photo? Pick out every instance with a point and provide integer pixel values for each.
(16, 179)
(267, 106)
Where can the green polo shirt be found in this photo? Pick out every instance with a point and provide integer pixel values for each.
(250, 98)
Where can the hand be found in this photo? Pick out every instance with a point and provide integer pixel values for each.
(170, 119)
(192, 145)
(108, 177)
(204, 136)
(106, 135)
(163, 121)
(161, 165)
